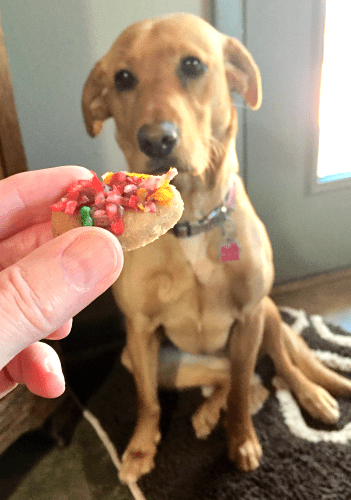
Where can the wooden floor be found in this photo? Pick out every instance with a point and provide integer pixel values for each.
(328, 295)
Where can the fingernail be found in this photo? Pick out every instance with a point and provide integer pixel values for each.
(54, 366)
(89, 259)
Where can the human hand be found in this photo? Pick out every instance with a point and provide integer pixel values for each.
(44, 282)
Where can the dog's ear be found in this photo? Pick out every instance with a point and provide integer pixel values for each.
(242, 72)
(94, 105)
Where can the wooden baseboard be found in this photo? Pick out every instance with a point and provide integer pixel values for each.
(321, 294)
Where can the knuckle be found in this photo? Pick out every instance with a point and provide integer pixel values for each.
(28, 304)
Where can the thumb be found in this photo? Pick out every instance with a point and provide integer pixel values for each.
(46, 288)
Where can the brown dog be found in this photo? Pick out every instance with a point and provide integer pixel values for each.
(167, 82)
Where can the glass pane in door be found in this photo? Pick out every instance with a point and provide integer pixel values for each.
(334, 160)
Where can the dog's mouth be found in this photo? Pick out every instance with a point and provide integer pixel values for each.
(161, 166)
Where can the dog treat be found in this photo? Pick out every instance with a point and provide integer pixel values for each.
(136, 208)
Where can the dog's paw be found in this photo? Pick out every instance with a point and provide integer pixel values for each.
(246, 453)
(135, 464)
(205, 419)
(138, 459)
(320, 404)
(315, 399)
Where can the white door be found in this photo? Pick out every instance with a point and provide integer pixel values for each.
(308, 218)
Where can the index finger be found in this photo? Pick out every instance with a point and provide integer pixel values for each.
(26, 197)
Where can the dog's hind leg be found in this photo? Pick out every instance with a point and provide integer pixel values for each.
(312, 367)
(181, 370)
(290, 355)
(207, 415)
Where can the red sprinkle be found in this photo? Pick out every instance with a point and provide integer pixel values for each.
(111, 210)
(96, 183)
(118, 178)
(100, 200)
(117, 227)
(58, 207)
(118, 189)
(70, 207)
(133, 201)
(150, 205)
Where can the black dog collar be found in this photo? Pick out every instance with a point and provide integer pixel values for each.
(213, 219)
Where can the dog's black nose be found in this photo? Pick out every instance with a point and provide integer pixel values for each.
(157, 141)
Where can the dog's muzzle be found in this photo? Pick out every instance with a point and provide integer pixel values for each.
(158, 140)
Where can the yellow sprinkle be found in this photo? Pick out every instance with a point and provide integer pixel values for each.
(142, 193)
(142, 176)
(106, 178)
(164, 184)
(163, 195)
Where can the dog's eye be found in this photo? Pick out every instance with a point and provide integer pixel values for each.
(125, 80)
(192, 67)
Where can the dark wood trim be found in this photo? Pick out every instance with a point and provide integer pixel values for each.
(12, 155)
(2, 174)
(21, 412)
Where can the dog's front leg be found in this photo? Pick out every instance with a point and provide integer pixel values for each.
(142, 354)
(245, 340)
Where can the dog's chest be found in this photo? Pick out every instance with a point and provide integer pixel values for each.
(214, 313)
(205, 270)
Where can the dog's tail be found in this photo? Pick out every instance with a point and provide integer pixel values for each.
(302, 356)
(288, 351)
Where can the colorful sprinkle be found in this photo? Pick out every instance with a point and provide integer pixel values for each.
(120, 189)
(85, 216)
(107, 178)
(163, 195)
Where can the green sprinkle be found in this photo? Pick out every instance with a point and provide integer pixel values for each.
(85, 216)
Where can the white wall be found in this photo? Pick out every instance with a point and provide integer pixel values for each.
(52, 46)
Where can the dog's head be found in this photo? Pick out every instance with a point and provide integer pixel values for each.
(167, 82)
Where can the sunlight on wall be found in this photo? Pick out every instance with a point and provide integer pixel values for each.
(335, 103)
